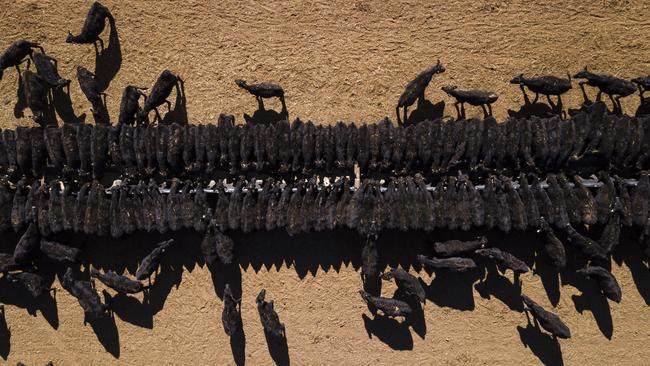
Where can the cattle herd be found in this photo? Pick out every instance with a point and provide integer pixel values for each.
(553, 176)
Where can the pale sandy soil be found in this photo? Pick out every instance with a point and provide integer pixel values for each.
(337, 60)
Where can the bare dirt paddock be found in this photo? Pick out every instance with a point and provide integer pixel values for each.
(337, 60)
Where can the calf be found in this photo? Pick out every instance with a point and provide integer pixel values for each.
(118, 282)
(552, 245)
(231, 316)
(15, 54)
(473, 97)
(27, 245)
(546, 85)
(59, 253)
(262, 91)
(151, 262)
(33, 282)
(643, 83)
(606, 281)
(452, 264)
(93, 26)
(37, 96)
(369, 260)
(225, 247)
(453, 248)
(159, 94)
(587, 246)
(406, 282)
(610, 85)
(415, 89)
(389, 307)
(549, 321)
(90, 88)
(505, 259)
(85, 294)
(269, 317)
(46, 67)
(129, 105)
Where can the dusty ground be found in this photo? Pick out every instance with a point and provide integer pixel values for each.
(337, 60)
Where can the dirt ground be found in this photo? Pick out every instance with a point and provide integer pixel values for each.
(337, 60)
